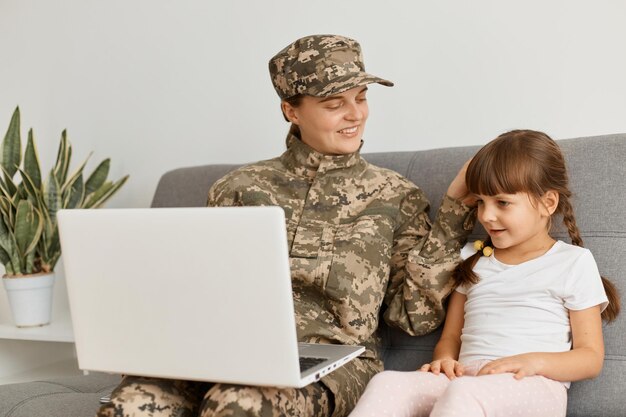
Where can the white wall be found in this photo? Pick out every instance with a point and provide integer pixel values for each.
(158, 84)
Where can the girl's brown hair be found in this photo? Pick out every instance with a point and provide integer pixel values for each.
(526, 161)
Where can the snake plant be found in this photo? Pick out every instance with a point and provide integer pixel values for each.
(29, 236)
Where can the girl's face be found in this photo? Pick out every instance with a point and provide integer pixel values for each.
(332, 125)
(517, 224)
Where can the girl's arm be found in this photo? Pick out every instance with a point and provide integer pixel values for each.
(447, 349)
(582, 362)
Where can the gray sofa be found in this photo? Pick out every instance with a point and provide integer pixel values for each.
(598, 175)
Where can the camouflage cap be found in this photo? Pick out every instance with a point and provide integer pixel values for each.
(320, 66)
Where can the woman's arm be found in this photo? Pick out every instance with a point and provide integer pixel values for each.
(423, 259)
(583, 361)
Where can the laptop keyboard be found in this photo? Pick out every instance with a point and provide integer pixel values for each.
(309, 362)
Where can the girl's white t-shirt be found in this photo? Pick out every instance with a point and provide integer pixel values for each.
(523, 308)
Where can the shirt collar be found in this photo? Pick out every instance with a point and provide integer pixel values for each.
(306, 161)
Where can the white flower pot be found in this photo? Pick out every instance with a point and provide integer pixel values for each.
(30, 297)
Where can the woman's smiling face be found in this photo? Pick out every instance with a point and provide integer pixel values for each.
(331, 125)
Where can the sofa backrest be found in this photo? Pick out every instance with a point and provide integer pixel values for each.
(598, 181)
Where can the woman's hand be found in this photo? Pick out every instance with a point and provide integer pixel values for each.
(458, 188)
(449, 366)
(527, 364)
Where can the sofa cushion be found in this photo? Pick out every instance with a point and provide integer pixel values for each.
(62, 397)
(598, 177)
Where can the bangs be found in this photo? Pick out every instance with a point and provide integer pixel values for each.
(503, 167)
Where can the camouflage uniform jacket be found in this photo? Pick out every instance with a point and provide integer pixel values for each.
(359, 236)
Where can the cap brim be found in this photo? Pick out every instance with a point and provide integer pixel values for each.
(349, 81)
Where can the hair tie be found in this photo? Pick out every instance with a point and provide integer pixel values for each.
(479, 245)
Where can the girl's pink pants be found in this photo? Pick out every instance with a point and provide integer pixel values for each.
(417, 394)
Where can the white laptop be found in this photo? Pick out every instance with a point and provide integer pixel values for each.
(187, 293)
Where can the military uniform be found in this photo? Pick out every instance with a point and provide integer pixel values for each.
(359, 237)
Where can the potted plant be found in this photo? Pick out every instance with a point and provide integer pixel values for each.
(29, 236)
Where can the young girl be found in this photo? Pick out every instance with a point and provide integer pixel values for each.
(526, 317)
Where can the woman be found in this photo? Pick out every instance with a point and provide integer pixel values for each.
(359, 237)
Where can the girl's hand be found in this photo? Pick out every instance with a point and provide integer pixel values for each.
(458, 188)
(449, 366)
(527, 364)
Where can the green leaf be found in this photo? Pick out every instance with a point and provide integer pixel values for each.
(53, 250)
(31, 161)
(29, 263)
(8, 209)
(4, 188)
(6, 204)
(28, 227)
(34, 193)
(94, 197)
(8, 212)
(12, 146)
(7, 243)
(106, 191)
(4, 258)
(69, 183)
(64, 156)
(97, 177)
(4, 192)
(28, 184)
(74, 196)
(52, 197)
(4, 232)
(8, 182)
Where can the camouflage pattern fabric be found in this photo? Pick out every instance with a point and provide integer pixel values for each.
(321, 66)
(359, 238)
(151, 397)
(314, 400)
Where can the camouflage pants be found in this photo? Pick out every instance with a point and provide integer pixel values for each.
(149, 397)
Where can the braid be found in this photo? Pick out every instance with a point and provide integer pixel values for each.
(611, 312)
(570, 221)
(526, 161)
(614, 307)
(464, 272)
